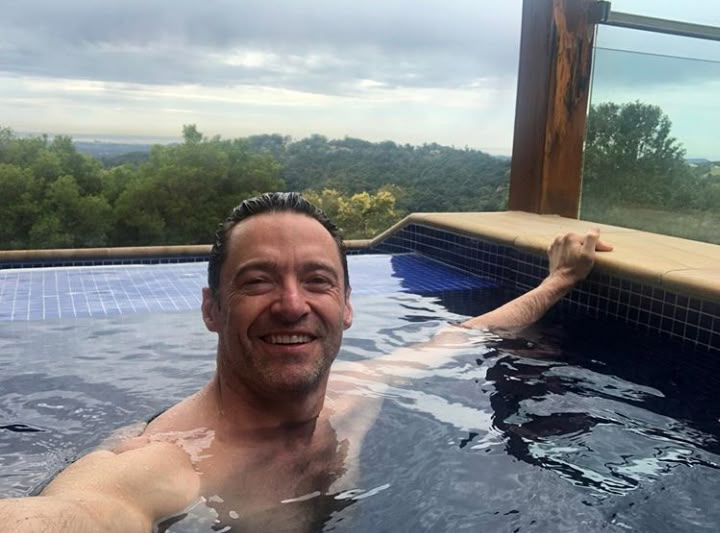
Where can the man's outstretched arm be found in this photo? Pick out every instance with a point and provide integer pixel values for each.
(571, 258)
(108, 492)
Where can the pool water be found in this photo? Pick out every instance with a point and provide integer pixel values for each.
(576, 426)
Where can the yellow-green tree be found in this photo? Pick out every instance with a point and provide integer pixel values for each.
(362, 215)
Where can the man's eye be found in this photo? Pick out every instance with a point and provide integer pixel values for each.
(318, 280)
(254, 283)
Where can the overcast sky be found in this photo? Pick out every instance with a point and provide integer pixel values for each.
(404, 70)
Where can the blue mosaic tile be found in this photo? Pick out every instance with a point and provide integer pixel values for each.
(76, 292)
(380, 274)
(80, 292)
(648, 308)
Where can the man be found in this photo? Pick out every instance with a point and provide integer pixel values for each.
(272, 425)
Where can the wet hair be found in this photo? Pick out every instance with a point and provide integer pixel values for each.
(270, 202)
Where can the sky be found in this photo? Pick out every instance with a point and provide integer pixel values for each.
(410, 71)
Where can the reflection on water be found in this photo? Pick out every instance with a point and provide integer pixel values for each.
(576, 427)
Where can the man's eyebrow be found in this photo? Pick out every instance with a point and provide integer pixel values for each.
(312, 266)
(260, 264)
(269, 266)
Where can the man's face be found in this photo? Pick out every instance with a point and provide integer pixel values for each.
(282, 305)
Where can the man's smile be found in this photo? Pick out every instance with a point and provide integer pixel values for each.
(295, 338)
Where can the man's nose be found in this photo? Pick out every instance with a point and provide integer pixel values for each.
(291, 304)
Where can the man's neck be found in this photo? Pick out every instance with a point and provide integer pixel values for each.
(243, 414)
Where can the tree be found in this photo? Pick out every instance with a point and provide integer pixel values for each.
(18, 205)
(191, 135)
(83, 168)
(362, 215)
(69, 219)
(182, 190)
(630, 157)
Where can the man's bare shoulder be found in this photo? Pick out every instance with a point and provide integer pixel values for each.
(184, 424)
(187, 414)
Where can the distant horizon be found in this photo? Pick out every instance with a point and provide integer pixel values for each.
(113, 138)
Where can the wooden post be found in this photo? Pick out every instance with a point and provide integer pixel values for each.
(552, 97)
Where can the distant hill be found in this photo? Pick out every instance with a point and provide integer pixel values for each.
(431, 177)
(100, 149)
(113, 154)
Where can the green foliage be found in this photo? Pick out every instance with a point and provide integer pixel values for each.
(83, 168)
(191, 135)
(634, 165)
(363, 215)
(432, 177)
(18, 208)
(21, 152)
(183, 190)
(55, 196)
(69, 219)
(130, 158)
(630, 155)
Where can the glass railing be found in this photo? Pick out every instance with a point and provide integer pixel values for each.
(652, 152)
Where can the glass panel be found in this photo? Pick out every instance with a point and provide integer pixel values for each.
(652, 155)
(404, 101)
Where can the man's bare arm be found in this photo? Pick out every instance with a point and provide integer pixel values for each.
(108, 492)
(571, 258)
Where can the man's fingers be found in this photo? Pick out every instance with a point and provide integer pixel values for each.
(601, 246)
(593, 243)
(591, 240)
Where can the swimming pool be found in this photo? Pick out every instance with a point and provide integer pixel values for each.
(579, 425)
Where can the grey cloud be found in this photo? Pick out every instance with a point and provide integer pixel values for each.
(425, 43)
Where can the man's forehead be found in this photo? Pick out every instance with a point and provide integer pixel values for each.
(279, 221)
(286, 228)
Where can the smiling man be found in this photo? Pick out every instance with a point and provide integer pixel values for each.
(273, 426)
(279, 307)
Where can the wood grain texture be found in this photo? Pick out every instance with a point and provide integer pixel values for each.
(553, 87)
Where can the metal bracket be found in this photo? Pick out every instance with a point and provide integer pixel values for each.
(599, 12)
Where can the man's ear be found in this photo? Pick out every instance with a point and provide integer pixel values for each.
(210, 310)
(348, 313)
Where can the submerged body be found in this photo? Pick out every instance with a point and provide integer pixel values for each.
(268, 427)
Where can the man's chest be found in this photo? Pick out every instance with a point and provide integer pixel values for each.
(261, 477)
(263, 491)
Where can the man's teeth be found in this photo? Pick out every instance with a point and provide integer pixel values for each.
(289, 339)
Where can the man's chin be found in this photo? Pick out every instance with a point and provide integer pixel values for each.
(295, 383)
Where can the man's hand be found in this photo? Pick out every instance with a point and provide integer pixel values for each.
(572, 255)
(108, 492)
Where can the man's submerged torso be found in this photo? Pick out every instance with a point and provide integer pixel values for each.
(291, 478)
(286, 479)
(266, 488)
